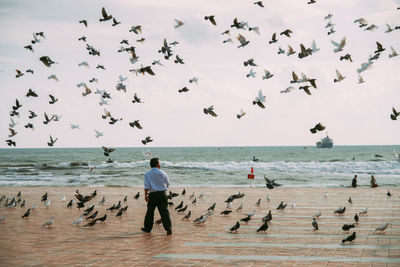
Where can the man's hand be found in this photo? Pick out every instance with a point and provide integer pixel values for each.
(146, 198)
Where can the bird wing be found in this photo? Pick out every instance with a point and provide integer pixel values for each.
(339, 75)
(104, 13)
(342, 43)
(334, 43)
(295, 77)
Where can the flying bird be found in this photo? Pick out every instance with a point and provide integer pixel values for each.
(47, 61)
(393, 52)
(339, 76)
(259, 100)
(147, 140)
(242, 40)
(395, 114)
(104, 15)
(135, 124)
(210, 110)
(286, 33)
(178, 23)
(52, 141)
(241, 114)
(346, 57)
(84, 22)
(267, 75)
(339, 46)
(52, 99)
(317, 127)
(211, 19)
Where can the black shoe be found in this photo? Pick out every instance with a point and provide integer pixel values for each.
(169, 232)
(144, 230)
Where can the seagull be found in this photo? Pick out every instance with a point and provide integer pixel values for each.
(178, 23)
(259, 100)
(382, 228)
(49, 222)
(339, 77)
(314, 224)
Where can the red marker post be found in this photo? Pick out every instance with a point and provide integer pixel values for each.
(250, 176)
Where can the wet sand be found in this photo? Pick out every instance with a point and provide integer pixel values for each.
(289, 241)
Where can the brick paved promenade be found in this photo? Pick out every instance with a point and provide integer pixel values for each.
(289, 241)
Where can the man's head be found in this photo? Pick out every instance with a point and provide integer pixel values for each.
(154, 162)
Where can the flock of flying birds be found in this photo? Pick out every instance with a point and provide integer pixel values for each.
(91, 216)
(238, 28)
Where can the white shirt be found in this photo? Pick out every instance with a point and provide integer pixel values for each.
(156, 180)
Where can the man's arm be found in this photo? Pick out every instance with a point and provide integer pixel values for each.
(146, 195)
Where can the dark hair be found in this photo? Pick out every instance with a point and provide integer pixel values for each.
(154, 162)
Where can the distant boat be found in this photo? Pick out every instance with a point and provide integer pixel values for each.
(254, 158)
(325, 142)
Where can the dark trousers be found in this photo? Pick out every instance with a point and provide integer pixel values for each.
(159, 200)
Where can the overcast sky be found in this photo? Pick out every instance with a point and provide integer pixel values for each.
(354, 114)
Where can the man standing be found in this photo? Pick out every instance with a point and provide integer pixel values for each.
(156, 183)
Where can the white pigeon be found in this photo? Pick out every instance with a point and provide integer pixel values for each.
(339, 46)
(53, 76)
(251, 213)
(35, 39)
(287, 90)
(251, 74)
(229, 40)
(268, 199)
(77, 221)
(193, 80)
(318, 214)
(339, 77)
(103, 102)
(102, 201)
(393, 53)
(201, 220)
(121, 79)
(98, 134)
(314, 48)
(12, 123)
(81, 84)
(326, 195)
(256, 29)
(63, 198)
(260, 97)
(363, 212)
(293, 205)
(49, 222)
(240, 207)
(56, 117)
(98, 91)
(365, 66)
(229, 205)
(158, 62)
(84, 63)
(267, 75)
(388, 28)
(47, 203)
(34, 207)
(178, 23)
(382, 228)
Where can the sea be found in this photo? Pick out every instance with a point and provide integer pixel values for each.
(291, 166)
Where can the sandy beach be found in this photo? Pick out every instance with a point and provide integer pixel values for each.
(289, 241)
